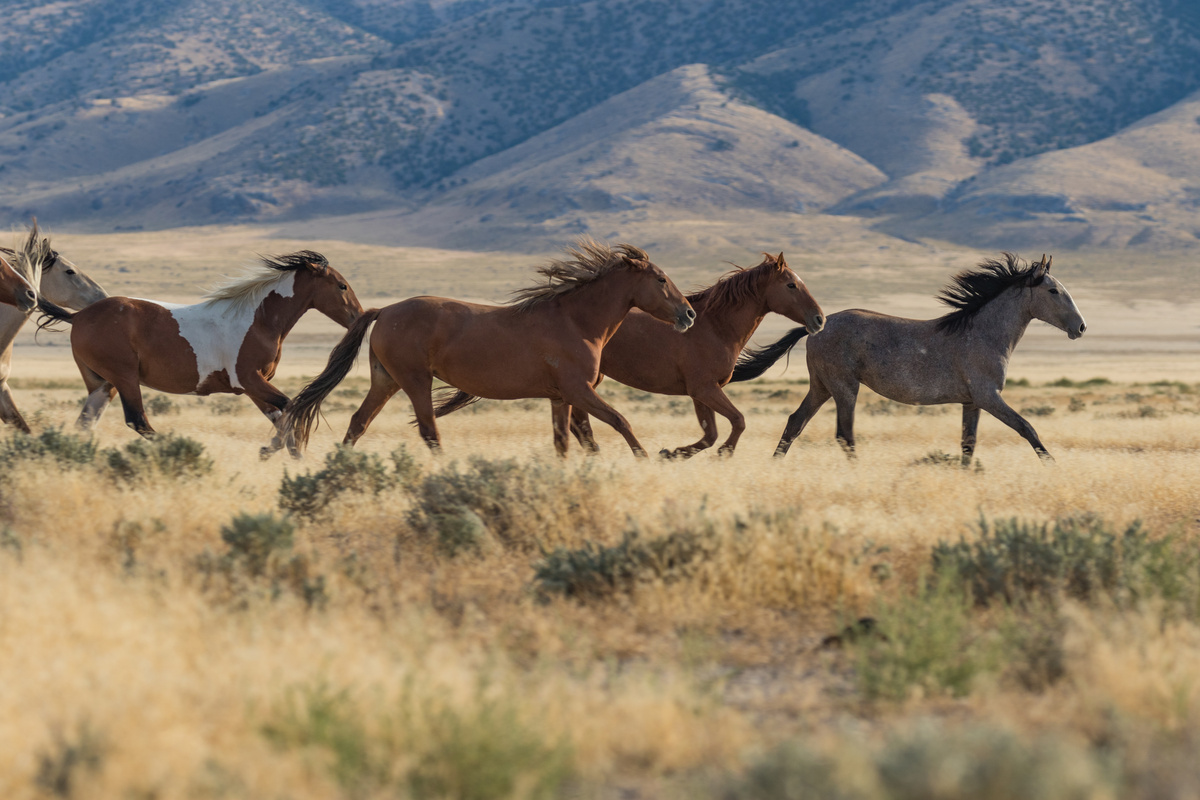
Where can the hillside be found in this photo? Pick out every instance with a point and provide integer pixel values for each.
(903, 111)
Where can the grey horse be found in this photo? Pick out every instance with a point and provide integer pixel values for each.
(961, 357)
(57, 280)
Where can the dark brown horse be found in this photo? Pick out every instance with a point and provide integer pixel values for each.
(14, 289)
(547, 344)
(229, 343)
(654, 357)
(961, 357)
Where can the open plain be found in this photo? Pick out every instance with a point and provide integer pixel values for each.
(187, 621)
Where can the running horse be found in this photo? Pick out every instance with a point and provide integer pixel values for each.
(546, 344)
(229, 343)
(652, 356)
(961, 357)
(56, 279)
(15, 290)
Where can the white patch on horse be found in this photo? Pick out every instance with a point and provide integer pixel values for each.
(216, 329)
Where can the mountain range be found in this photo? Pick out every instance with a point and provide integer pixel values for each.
(488, 123)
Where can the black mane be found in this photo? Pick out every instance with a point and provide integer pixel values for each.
(294, 261)
(971, 291)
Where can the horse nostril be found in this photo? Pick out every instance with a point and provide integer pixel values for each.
(818, 320)
(1082, 327)
(691, 314)
(31, 294)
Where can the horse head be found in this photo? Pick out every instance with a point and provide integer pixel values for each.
(658, 296)
(15, 290)
(786, 294)
(331, 293)
(1051, 302)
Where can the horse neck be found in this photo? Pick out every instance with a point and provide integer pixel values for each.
(598, 309)
(735, 322)
(278, 314)
(1002, 322)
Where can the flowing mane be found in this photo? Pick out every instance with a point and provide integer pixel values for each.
(247, 291)
(587, 262)
(33, 257)
(971, 291)
(733, 287)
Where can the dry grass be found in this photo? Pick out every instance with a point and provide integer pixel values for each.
(132, 669)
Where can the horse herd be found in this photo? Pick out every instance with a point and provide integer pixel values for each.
(601, 310)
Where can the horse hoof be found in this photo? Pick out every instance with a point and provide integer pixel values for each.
(264, 453)
(666, 454)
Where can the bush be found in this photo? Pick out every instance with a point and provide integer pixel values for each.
(498, 502)
(345, 470)
(596, 572)
(927, 641)
(260, 561)
(1078, 556)
(67, 450)
(420, 750)
(1037, 411)
(160, 404)
(928, 761)
(167, 455)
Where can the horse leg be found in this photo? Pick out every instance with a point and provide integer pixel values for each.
(135, 413)
(383, 387)
(846, 399)
(100, 394)
(592, 403)
(994, 404)
(560, 414)
(970, 423)
(817, 396)
(581, 426)
(708, 425)
(8, 409)
(271, 402)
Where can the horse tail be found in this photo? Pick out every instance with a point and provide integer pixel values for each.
(449, 403)
(52, 314)
(757, 360)
(301, 412)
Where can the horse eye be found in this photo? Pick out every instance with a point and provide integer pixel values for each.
(662, 280)
(70, 272)
(1054, 291)
(791, 286)
(343, 286)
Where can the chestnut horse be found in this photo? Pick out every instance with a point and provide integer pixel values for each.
(961, 357)
(15, 290)
(57, 280)
(650, 355)
(229, 343)
(547, 344)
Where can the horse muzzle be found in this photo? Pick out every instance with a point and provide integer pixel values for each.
(1076, 331)
(27, 300)
(815, 323)
(684, 319)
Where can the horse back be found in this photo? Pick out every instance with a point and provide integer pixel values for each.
(119, 334)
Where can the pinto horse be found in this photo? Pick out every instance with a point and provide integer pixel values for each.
(15, 290)
(652, 356)
(547, 344)
(961, 357)
(229, 343)
(57, 280)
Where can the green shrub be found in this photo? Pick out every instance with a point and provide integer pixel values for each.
(260, 561)
(496, 502)
(160, 404)
(1037, 411)
(592, 571)
(1078, 556)
(482, 752)
(929, 761)
(165, 455)
(937, 458)
(67, 450)
(345, 470)
(1067, 383)
(926, 641)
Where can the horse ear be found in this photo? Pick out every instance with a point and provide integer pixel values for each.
(1039, 271)
(1048, 263)
(782, 263)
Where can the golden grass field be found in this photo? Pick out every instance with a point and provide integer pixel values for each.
(450, 627)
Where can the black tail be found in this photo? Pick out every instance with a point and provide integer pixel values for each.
(300, 414)
(448, 403)
(52, 314)
(755, 361)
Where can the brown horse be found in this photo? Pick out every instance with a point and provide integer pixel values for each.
(547, 344)
(14, 289)
(229, 343)
(650, 355)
